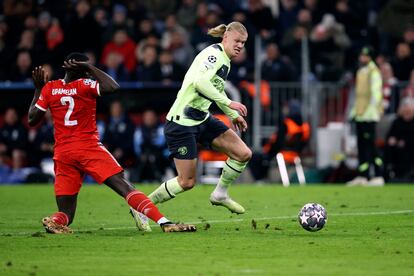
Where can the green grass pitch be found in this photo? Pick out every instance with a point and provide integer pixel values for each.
(370, 231)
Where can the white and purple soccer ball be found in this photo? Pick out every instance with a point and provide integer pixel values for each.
(312, 217)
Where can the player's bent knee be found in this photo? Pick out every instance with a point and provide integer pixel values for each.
(245, 155)
(187, 183)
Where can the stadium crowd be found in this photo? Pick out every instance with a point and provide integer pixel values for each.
(155, 41)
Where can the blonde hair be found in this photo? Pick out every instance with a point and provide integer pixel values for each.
(219, 30)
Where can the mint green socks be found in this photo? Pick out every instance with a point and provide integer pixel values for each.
(166, 191)
(231, 171)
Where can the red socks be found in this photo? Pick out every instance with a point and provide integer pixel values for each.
(135, 199)
(143, 204)
(60, 218)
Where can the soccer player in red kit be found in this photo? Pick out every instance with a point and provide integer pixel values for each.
(72, 103)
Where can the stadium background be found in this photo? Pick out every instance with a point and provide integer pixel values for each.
(306, 50)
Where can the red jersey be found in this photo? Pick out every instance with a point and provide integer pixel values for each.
(73, 109)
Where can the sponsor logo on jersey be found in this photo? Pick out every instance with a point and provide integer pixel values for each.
(218, 83)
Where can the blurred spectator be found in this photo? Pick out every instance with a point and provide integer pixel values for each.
(329, 43)
(27, 43)
(262, 19)
(22, 69)
(119, 21)
(393, 19)
(118, 135)
(101, 18)
(402, 63)
(13, 134)
(206, 20)
(26, 40)
(5, 49)
(287, 18)
(40, 28)
(148, 68)
(150, 148)
(292, 45)
(15, 12)
(152, 40)
(315, 10)
(187, 14)
(82, 32)
(390, 91)
(366, 112)
(381, 60)
(241, 69)
(399, 150)
(241, 16)
(408, 37)
(202, 12)
(355, 26)
(172, 26)
(305, 19)
(160, 9)
(122, 44)
(31, 23)
(227, 8)
(182, 51)
(409, 90)
(275, 67)
(170, 71)
(44, 141)
(350, 19)
(114, 66)
(291, 137)
(54, 35)
(145, 28)
(18, 172)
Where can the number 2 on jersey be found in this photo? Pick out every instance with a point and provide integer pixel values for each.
(69, 100)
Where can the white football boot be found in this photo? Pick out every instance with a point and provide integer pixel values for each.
(357, 181)
(141, 220)
(376, 182)
(227, 202)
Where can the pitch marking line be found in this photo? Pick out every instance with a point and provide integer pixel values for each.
(280, 217)
(385, 213)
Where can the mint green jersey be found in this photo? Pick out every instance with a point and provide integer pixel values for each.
(202, 85)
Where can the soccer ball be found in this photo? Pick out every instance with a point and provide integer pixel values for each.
(312, 217)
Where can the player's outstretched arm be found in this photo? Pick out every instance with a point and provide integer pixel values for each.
(106, 83)
(40, 78)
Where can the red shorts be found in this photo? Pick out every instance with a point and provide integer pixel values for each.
(71, 167)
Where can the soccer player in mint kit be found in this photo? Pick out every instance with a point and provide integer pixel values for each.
(189, 121)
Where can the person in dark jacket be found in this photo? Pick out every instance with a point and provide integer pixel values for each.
(399, 148)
